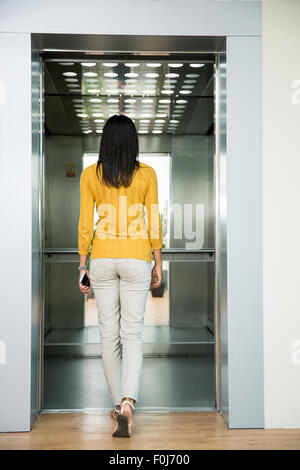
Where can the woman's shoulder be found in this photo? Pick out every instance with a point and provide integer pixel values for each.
(89, 171)
(144, 165)
(147, 168)
(90, 168)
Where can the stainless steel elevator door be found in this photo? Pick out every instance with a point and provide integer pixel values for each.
(179, 332)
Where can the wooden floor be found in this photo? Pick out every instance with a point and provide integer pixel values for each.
(151, 431)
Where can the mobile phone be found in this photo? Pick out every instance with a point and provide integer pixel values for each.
(84, 280)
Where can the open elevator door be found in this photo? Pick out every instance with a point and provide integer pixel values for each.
(181, 329)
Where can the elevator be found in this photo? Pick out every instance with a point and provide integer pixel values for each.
(172, 99)
(227, 34)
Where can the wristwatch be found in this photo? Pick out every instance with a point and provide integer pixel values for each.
(82, 267)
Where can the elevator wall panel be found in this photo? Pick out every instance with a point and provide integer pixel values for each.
(191, 294)
(62, 192)
(221, 242)
(192, 284)
(63, 300)
(36, 233)
(192, 184)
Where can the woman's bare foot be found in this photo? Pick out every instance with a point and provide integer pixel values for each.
(114, 413)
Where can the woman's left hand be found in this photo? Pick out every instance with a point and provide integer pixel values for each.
(84, 289)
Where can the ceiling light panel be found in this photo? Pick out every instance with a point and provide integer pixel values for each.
(169, 75)
(159, 90)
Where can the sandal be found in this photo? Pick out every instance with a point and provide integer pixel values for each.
(122, 419)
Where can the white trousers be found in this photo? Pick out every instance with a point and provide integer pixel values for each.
(121, 288)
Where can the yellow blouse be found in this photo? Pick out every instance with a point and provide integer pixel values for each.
(121, 230)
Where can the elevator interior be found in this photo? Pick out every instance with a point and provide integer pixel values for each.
(171, 99)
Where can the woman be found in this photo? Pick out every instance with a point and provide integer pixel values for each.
(121, 254)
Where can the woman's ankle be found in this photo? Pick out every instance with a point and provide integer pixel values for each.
(132, 400)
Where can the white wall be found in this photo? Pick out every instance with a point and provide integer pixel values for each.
(164, 17)
(281, 214)
(244, 233)
(15, 230)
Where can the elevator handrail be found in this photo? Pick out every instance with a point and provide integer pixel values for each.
(169, 254)
(68, 251)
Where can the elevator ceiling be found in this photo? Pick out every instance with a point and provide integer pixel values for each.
(162, 96)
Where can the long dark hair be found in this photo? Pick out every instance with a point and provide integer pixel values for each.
(118, 151)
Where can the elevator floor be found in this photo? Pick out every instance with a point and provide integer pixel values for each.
(174, 383)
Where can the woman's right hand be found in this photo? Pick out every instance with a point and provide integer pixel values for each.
(157, 277)
(84, 289)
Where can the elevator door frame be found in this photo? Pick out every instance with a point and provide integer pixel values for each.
(232, 393)
(169, 253)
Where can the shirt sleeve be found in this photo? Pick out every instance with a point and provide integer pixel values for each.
(152, 211)
(86, 217)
